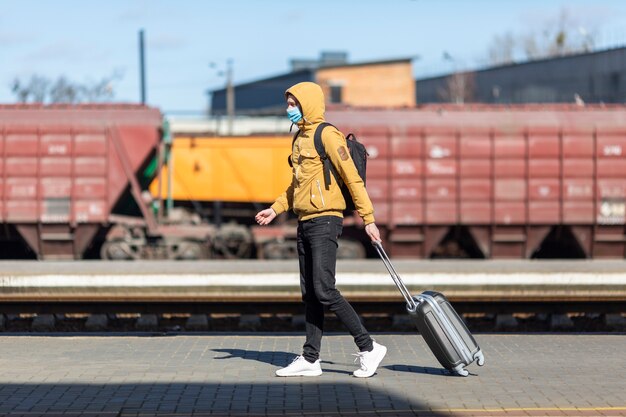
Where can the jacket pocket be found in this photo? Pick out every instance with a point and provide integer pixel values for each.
(317, 195)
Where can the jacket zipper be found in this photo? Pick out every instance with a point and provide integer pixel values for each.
(299, 152)
(319, 188)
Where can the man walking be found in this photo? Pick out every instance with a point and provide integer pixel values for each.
(319, 207)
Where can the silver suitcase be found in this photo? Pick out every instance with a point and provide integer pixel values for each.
(442, 328)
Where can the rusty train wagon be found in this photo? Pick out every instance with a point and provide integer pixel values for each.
(71, 182)
(497, 181)
(446, 181)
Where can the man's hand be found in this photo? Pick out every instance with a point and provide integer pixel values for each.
(372, 232)
(265, 217)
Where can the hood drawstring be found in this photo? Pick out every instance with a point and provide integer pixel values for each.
(291, 127)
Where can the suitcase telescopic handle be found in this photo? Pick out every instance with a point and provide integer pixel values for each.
(411, 305)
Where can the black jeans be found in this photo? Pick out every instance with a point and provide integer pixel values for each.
(317, 254)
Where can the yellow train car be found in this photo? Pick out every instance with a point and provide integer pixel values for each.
(227, 180)
(246, 169)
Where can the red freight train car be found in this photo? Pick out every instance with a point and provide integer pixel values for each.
(496, 181)
(467, 181)
(69, 174)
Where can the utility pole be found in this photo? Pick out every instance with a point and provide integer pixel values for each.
(456, 82)
(230, 96)
(230, 92)
(142, 68)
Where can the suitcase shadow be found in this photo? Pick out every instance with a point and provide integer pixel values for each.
(419, 370)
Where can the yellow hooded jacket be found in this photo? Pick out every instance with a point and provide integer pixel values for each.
(307, 194)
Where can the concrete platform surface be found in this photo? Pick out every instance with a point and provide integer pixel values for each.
(233, 374)
(279, 280)
(249, 266)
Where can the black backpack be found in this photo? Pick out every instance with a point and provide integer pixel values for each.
(358, 153)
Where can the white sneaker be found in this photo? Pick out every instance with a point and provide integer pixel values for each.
(301, 367)
(369, 361)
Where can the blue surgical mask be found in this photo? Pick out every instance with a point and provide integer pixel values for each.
(293, 113)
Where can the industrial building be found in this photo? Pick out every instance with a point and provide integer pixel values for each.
(595, 77)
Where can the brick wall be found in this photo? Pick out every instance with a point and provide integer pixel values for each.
(378, 85)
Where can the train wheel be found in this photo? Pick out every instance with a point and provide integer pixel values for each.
(119, 250)
(350, 249)
(232, 241)
(188, 251)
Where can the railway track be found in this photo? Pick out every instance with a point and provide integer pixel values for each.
(601, 302)
(271, 289)
(260, 312)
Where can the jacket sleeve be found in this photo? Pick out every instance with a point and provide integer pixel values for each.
(285, 201)
(337, 150)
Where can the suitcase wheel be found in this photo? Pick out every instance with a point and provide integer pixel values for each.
(459, 370)
(480, 358)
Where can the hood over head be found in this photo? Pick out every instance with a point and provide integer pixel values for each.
(311, 99)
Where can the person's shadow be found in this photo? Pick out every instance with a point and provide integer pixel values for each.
(275, 358)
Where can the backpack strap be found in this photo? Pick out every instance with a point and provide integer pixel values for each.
(319, 147)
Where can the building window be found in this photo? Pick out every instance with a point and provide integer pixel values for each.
(335, 94)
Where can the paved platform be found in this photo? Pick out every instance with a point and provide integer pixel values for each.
(233, 374)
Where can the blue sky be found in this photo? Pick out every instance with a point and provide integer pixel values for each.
(89, 40)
